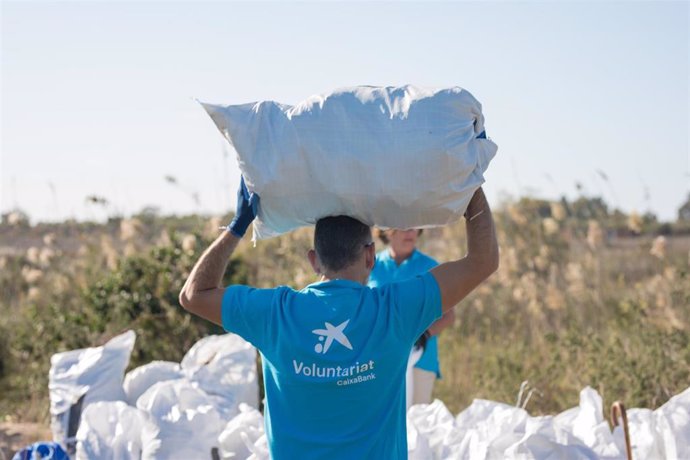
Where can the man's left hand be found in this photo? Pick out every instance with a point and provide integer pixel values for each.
(422, 340)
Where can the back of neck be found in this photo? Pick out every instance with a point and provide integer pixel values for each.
(346, 274)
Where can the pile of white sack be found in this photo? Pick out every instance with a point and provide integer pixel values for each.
(162, 410)
(492, 430)
(206, 407)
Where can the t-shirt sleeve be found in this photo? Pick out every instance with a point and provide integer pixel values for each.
(250, 313)
(416, 304)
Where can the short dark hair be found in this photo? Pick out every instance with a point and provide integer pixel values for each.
(338, 241)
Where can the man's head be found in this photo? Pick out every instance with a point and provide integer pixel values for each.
(342, 243)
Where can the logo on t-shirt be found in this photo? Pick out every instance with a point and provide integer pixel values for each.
(330, 334)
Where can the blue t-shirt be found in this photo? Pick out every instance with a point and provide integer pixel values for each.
(385, 271)
(334, 355)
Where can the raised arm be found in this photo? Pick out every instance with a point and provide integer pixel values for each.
(202, 293)
(457, 279)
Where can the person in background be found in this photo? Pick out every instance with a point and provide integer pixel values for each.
(401, 261)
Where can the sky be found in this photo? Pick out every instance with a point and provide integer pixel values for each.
(98, 98)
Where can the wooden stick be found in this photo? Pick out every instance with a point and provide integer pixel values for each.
(618, 412)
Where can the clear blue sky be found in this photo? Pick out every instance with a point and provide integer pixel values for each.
(97, 97)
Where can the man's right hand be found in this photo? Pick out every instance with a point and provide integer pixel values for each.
(247, 209)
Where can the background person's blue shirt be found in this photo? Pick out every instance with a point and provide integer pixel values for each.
(334, 355)
(386, 271)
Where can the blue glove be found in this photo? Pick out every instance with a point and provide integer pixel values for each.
(247, 208)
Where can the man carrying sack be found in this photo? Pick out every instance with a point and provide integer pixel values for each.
(335, 353)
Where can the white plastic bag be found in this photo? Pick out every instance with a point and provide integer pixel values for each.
(238, 439)
(78, 378)
(417, 445)
(485, 430)
(187, 418)
(260, 449)
(138, 380)
(224, 366)
(393, 157)
(488, 430)
(539, 447)
(589, 425)
(115, 431)
(645, 436)
(673, 425)
(434, 422)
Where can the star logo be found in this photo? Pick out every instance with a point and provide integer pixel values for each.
(329, 334)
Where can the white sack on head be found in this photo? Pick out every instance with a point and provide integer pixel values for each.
(138, 380)
(78, 378)
(115, 431)
(394, 157)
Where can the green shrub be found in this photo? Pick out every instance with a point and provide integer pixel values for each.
(141, 293)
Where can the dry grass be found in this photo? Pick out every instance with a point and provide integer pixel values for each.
(580, 299)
